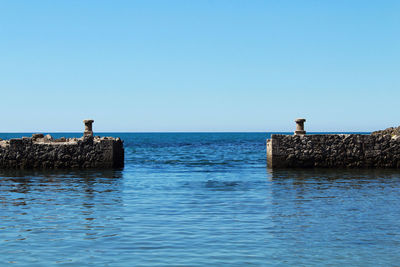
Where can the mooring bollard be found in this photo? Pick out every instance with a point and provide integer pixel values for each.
(300, 127)
(88, 128)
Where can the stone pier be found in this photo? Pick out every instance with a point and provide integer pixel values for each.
(376, 150)
(44, 152)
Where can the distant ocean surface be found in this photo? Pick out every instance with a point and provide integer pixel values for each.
(198, 199)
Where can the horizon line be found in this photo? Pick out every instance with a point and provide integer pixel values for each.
(313, 132)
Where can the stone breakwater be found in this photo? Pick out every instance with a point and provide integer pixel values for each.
(44, 152)
(379, 150)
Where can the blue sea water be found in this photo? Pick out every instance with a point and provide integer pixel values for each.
(199, 199)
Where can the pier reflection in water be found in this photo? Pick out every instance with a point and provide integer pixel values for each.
(347, 216)
(44, 213)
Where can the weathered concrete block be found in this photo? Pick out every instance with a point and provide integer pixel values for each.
(43, 152)
(333, 151)
(40, 152)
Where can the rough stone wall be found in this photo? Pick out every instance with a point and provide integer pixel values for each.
(333, 151)
(43, 152)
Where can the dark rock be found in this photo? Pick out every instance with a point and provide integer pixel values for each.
(23, 153)
(37, 136)
(332, 151)
(389, 131)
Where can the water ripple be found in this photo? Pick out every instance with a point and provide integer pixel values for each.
(199, 200)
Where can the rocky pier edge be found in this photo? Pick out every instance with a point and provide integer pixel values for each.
(44, 152)
(381, 149)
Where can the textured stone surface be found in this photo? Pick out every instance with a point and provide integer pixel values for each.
(390, 131)
(43, 152)
(333, 151)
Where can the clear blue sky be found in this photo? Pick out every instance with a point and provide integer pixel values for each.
(199, 65)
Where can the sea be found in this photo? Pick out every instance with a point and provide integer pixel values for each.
(198, 199)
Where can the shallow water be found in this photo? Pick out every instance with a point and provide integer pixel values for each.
(199, 200)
